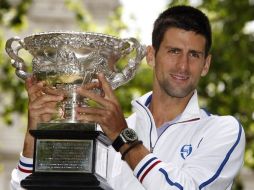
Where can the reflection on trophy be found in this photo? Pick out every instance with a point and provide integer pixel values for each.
(70, 154)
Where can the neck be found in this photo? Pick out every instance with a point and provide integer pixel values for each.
(166, 108)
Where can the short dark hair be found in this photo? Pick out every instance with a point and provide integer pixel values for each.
(182, 17)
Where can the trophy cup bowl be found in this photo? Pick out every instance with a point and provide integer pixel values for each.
(65, 61)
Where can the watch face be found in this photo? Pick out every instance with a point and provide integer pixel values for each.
(130, 135)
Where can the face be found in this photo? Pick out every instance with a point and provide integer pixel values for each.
(179, 63)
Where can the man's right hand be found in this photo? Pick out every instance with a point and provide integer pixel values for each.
(42, 106)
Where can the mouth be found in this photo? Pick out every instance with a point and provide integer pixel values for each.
(180, 77)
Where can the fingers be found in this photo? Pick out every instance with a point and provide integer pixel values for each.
(44, 112)
(43, 102)
(28, 82)
(34, 90)
(46, 104)
(111, 121)
(89, 114)
(106, 96)
(44, 99)
(95, 97)
(53, 91)
(92, 85)
(107, 89)
(39, 111)
(37, 90)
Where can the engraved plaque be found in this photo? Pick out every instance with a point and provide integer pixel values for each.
(64, 155)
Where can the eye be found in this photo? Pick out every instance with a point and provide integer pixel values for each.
(174, 51)
(195, 54)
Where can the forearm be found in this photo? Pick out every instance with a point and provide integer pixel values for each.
(28, 148)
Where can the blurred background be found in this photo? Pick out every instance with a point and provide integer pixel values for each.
(228, 89)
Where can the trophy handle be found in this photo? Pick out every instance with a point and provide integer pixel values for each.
(129, 70)
(16, 61)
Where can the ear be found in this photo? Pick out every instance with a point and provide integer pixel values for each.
(207, 65)
(150, 56)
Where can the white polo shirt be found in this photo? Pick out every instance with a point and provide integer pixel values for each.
(198, 151)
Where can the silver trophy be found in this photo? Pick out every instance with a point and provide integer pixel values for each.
(65, 61)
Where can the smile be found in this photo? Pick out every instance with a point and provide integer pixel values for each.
(179, 77)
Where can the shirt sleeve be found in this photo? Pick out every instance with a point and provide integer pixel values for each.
(212, 166)
(23, 169)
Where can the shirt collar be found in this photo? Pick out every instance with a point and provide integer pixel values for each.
(191, 111)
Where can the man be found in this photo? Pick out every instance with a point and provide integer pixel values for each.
(171, 142)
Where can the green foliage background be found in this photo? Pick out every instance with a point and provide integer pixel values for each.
(228, 88)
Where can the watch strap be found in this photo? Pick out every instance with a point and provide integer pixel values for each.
(118, 143)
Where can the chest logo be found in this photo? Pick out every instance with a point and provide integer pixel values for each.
(186, 151)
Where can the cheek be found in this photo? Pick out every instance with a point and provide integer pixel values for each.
(161, 68)
(196, 67)
(164, 63)
(196, 73)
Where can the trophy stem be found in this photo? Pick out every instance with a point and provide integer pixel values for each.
(71, 101)
(69, 106)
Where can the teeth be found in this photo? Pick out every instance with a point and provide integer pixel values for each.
(180, 77)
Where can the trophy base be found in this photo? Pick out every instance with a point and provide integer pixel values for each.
(68, 156)
(64, 181)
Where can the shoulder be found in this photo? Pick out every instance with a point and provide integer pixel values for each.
(224, 128)
(226, 122)
(215, 122)
(223, 135)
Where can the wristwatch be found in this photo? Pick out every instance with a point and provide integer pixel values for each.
(126, 136)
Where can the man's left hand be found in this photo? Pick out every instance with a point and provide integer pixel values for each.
(109, 114)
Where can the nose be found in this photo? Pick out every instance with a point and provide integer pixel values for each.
(183, 63)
